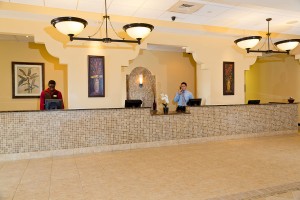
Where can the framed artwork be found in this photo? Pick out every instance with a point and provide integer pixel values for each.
(96, 77)
(228, 78)
(27, 79)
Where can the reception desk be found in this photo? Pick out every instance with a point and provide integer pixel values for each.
(28, 134)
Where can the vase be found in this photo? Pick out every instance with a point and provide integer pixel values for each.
(228, 85)
(166, 110)
(96, 86)
(291, 100)
(154, 105)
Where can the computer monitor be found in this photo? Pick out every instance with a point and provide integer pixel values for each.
(194, 102)
(136, 103)
(52, 104)
(253, 101)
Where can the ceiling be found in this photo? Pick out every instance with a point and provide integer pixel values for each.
(239, 14)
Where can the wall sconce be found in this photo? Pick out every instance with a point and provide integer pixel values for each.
(141, 80)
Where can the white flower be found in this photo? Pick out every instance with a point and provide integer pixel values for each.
(165, 98)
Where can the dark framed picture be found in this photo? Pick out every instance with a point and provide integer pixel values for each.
(96, 79)
(228, 78)
(27, 79)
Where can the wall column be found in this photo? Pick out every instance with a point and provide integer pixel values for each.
(203, 83)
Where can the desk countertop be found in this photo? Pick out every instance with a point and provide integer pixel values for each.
(158, 113)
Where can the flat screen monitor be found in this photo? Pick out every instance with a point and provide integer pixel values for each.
(136, 103)
(253, 101)
(194, 102)
(52, 104)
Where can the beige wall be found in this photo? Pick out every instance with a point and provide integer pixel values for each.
(170, 69)
(210, 46)
(27, 52)
(274, 79)
(208, 51)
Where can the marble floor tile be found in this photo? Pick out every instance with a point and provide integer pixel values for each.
(254, 168)
(33, 191)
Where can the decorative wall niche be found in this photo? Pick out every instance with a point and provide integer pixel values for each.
(145, 92)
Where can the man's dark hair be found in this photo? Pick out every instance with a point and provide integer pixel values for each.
(184, 83)
(52, 82)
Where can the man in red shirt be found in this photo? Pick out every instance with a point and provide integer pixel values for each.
(50, 93)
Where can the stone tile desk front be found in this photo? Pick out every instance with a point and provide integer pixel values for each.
(25, 135)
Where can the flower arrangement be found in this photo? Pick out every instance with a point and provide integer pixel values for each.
(165, 98)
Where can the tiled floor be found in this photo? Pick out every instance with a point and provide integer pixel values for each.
(214, 170)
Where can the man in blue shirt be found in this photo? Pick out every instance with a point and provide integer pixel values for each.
(182, 97)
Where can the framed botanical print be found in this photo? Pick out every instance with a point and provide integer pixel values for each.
(27, 79)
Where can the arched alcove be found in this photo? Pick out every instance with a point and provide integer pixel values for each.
(144, 92)
(169, 67)
(22, 48)
(273, 78)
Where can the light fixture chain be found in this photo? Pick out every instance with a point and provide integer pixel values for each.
(262, 46)
(274, 45)
(114, 29)
(106, 17)
(105, 8)
(269, 34)
(97, 30)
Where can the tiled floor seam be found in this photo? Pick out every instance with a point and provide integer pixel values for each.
(50, 179)
(261, 193)
(80, 178)
(20, 179)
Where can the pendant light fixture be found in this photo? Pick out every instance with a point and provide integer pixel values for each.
(283, 46)
(72, 26)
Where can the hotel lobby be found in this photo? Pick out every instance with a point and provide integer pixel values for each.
(97, 148)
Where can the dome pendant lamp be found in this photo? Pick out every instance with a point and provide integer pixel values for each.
(284, 46)
(72, 26)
